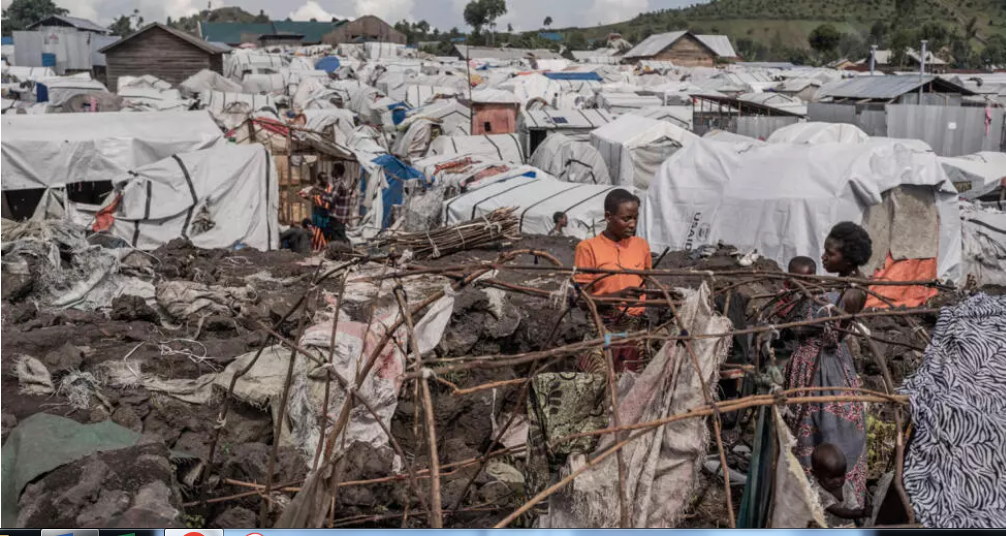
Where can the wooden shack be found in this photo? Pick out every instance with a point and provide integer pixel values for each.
(684, 48)
(493, 111)
(365, 29)
(169, 54)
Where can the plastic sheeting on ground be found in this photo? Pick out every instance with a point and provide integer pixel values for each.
(44, 442)
(537, 198)
(784, 199)
(660, 467)
(570, 160)
(955, 463)
(222, 197)
(263, 384)
(505, 147)
(634, 147)
(56, 150)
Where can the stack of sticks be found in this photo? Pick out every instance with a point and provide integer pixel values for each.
(496, 228)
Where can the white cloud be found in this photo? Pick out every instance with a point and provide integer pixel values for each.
(608, 11)
(313, 10)
(391, 11)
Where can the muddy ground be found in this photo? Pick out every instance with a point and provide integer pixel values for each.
(153, 484)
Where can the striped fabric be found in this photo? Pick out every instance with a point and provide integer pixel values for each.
(318, 241)
(955, 467)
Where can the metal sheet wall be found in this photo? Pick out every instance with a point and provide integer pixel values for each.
(832, 113)
(760, 127)
(949, 130)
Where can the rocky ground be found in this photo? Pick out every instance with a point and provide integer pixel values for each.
(154, 482)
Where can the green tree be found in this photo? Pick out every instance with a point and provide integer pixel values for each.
(878, 32)
(509, 28)
(824, 39)
(122, 26)
(995, 51)
(901, 41)
(575, 40)
(548, 21)
(481, 13)
(22, 13)
(937, 35)
(261, 18)
(422, 27)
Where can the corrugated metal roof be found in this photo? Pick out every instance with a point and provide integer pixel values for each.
(548, 119)
(652, 45)
(231, 32)
(883, 87)
(78, 23)
(489, 53)
(720, 44)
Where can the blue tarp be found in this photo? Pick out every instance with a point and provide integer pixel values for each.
(6, 40)
(574, 76)
(396, 172)
(327, 64)
(551, 36)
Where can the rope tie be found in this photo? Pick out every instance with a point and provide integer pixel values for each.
(436, 250)
(460, 235)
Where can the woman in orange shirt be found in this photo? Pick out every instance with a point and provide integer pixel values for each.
(616, 248)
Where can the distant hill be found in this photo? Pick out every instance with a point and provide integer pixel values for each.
(775, 29)
(220, 14)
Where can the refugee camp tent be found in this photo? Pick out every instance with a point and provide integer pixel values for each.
(620, 103)
(470, 171)
(49, 151)
(678, 115)
(392, 181)
(976, 175)
(531, 87)
(232, 109)
(221, 197)
(984, 250)
(817, 132)
(454, 117)
(207, 80)
(416, 95)
(570, 160)
(505, 147)
(534, 125)
(537, 198)
(634, 147)
(729, 137)
(414, 141)
(783, 199)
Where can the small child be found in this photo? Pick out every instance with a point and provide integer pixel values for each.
(837, 495)
(797, 266)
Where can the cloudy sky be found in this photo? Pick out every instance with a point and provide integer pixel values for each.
(444, 14)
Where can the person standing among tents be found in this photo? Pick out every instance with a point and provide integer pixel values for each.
(616, 248)
(320, 194)
(341, 202)
(822, 359)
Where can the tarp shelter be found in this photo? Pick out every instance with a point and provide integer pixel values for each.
(977, 175)
(816, 132)
(469, 172)
(571, 160)
(416, 95)
(577, 76)
(984, 249)
(634, 147)
(454, 117)
(681, 116)
(47, 151)
(534, 125)
(531, 87)
(207, 80)
(395, 174)
(222, 197)
(505, 147)
(783, 199)
(537, 199)
(328, 64)
(494, 111)
(232, 109)
(620, 103)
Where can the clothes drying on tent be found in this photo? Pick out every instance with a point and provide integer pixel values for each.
(537, 199)
(634, 147)
(505, 147)
(570, 160)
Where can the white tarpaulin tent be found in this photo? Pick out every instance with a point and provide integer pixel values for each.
(819, 133)
(217, 198)
(232, 109)
(469, 172)
(570, 160)
(634, 147)
(984, 250)
(620, 103)
(783, 199)
(985, 172)
(678, 115)
(417, 96)
(537, 199)
(454, 117)
(505, 147)
(53, 150)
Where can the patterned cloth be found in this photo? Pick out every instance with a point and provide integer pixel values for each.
(822, 359)
(955, 466)
(561, 404)
(342, 204)
(626, 355)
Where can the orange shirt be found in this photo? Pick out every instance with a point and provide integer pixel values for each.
(603, 253)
